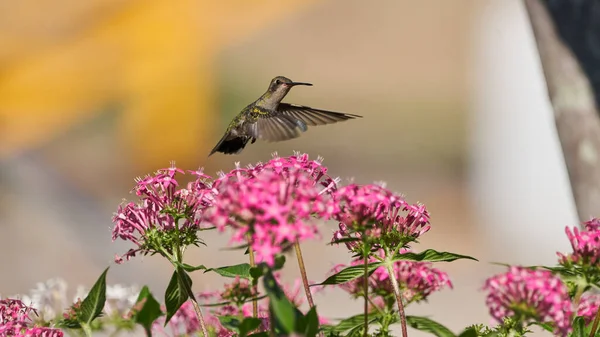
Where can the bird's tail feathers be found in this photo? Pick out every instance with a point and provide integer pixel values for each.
(229, 145)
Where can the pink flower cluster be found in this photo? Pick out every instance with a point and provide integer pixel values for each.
(272, 205)
(417, 280)
(588, 307)
(531, 295)
(381, 214)
(585, 243)
(161, 209)
(300, 161)
(15, 320)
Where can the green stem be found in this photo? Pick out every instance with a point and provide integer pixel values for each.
(302, 268)
(577, 296)
(199, 316)
(390, 269)
(178, 254)
(595, 324)
(381, 312)
(86, 329)
(254, 282)
(366, 293)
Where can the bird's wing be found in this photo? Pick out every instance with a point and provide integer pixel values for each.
(311, 116)
(275, 128)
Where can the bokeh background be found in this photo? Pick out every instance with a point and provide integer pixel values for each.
(94, 93)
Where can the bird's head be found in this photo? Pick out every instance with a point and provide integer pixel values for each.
(281, 85)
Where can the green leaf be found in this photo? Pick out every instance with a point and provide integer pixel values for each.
(285, 314)
(242, 270)
(469, 332)
(245, 245)
(578, 327)
(206, 228)
(92, 305)
(350, 323)
(312, 323)
(279, 262)
(431, 256)
(258, 271)
(220, 304)
(185, 280)
(149, 312)
(428, 325)
(349, 274)
(177, 292)
(68, 324)
(230, 322)
(190, 268)
(248, 325)
(343, 240)
(545, 326)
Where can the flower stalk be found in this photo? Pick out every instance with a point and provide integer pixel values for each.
(595, 324)
(302, 268)
(396, 288)
(199, 316)
(366, 292)
(304, 277)
(254, 282)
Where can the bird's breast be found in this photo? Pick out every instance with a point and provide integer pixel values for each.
(259, 112)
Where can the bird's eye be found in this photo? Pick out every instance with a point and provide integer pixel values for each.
(277, 81)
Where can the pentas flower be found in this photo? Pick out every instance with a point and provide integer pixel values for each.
(592, 225)
(416, 280)
(588, 307)
(300, 161)
(530, 296)
(373, 215)
(585, 243)
(15, 320)
(269, 208)
(166, 216)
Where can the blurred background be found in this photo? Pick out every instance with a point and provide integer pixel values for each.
(455, 110)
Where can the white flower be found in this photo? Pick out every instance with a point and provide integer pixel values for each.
(49, 298)
(120, 299)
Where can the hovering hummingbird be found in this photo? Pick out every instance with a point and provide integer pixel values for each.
(270, 120)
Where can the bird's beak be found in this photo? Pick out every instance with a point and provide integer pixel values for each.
(300, 83)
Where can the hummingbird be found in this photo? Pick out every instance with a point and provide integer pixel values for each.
(269, 119)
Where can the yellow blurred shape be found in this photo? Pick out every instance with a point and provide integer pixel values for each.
(64, 61)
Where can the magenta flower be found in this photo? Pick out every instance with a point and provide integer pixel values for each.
(385, 218)
(592, 225)
(588, 307)
(585, 243)
(530, 295)
(416, 280)
(300, 161)
(165, 214)
(15, 320)
(271, 206)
